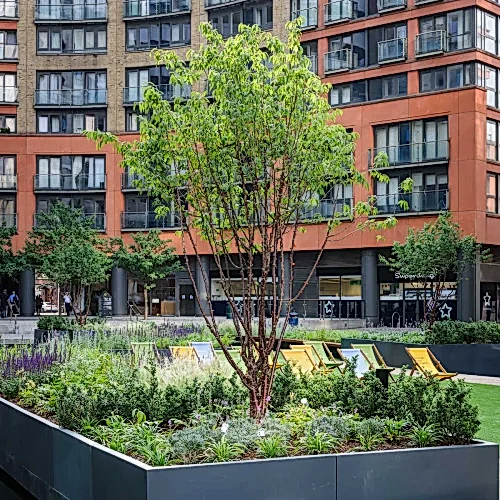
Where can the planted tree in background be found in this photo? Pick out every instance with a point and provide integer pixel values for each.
(10, 263)
(245, 162)
(429, 255)
(150, 258)
(65, 247)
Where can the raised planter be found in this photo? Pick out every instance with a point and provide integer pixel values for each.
(53, 463)
(471, 359)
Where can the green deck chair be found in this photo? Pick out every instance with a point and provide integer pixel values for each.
(373, 356)
(324, 353)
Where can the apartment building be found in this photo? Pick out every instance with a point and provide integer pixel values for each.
(417, 79)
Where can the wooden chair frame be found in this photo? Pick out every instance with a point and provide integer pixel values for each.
(377, 355)
(416, 366)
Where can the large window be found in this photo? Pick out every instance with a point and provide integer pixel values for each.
(369, 90)
(8, 210)
(70, 122)
(93, 206)
(8, 87)
(346, 287)
(8, 123)
(492, 193)
(492, 152)
(166, 34)
(226, 22)
(8, 45)
(487, 31)
(332, 204)
(311, 51)
(447, 77)
(70, 173)
(8, 178)
(71, 39)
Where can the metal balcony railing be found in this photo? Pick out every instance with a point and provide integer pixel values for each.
(310, 16)
(418, 201)
(9, 9)
(154, 8)
(84, 10)
(8, 220)
(8, 94)
(339, 11)
(392, 50)
(61, 182)
(314, 63)
(129, 180)
(8, 182)
(132, 95)
(386, 5)
(84, 97)
(431, 42)
(414, 153)
(217, 3)
(338, 60)
(9, 51)
(327, 209)
(149, 220)
(98, 218)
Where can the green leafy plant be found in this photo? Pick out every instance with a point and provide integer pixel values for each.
(337, 427)
(424, 435)
(58, 323)
(395, 430)
(318, 443)
(223, 450)
(273, 446)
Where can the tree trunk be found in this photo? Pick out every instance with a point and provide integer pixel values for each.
(145, 303)
(259, 393)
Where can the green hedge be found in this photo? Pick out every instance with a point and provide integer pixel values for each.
(461, 332)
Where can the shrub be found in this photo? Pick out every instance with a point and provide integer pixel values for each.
(59, 323)
(337, 427)
(461, 332)
(189, 444)
(74, 405)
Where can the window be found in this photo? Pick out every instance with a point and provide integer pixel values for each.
(311, 51)
(165, 34)
(488, 78)
(346, 287)
(132, 123)
(7, 123)
(70, 40)
(369, 90)
(492, 140)
(226, 21)
(447, 77)
(486, 28)
(457, 27)
(8, 87)
(492, 193)
(8, 45)
(68, 122)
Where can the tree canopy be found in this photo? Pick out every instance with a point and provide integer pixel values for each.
(10, 262)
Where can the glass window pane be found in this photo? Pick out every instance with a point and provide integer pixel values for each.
(351, 287)
(329, 287)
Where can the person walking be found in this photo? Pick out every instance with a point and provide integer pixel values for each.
(4, 304)
(67, 303)
(38, 305)
(14, 304)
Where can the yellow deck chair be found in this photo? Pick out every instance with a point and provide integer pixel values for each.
(313, 354)
(427, 364)
(184, 352)
(300, 360)
(373, 356)
(143, 351)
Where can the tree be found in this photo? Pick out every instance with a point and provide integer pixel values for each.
(149, 257)
(429, 255)
(10, 262)
(245, 162)
(66, 248)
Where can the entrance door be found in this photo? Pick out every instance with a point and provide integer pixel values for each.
(186, 300)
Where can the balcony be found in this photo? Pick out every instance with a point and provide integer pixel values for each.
(8, 95)
(98, 218)
(74, 12)
(9, 51)
(131, 95)
(389, 5)
(140, 9)
(211, 4)
(338, 12)
(419, 201)
(327, 209)
(430, 43)
(392, 50)
(69, 98)
(313, 63)
(69, 183)
(129, 181)
(310, 16)
(148, 220)
(338, 60)
(9, 9)
(8, 220)
(8, 182)
(433, 152)
(423, 2)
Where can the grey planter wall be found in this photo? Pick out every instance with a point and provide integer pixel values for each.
(472, 359)
(52, 463)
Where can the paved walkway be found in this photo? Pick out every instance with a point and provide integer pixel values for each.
(472, 379)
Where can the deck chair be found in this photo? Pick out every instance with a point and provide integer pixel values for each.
(325, 355)
(362, 365)
(143, 351)
(373, 356)
(183, 352)
(427, 364)
(221, 359)
(311, 351)
(300, 360)
(204, 350)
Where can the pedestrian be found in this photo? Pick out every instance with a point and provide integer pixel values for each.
(38, 304)
(4, 304)
(67, 303)
(14, 304)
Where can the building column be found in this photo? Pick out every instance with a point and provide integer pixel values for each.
(468, 294)
(285, 280)
(119, 287)
(369, 284)
(203, 291)
(27, 292)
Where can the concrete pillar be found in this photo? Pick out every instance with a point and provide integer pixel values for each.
(285, 281)
(119, 289)
(203, 290)
(468, 294)
(369, 284)
(27, 292)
